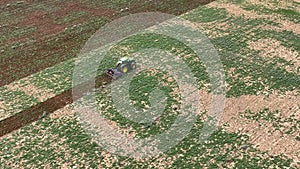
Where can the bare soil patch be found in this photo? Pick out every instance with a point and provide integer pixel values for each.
(2, 106)
(43, 22)
(216, 28)
(128, 132)
(31, 90)
(277, 4)
(233, 9)
(65, 111)
(237, 11)
(272, 48)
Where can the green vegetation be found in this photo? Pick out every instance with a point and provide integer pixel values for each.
(52, 142)
(206, 14)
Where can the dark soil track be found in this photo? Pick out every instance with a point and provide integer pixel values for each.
(51, 46)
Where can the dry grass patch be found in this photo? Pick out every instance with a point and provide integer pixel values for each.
(272, 48)
(286, 103)
(276, 143)
(233, 9)
(162, 161)
(127, 132)
(2, 106)
(31, 90)
(215, 29)
(65, 111)
(271, 4)
(237, 11)
(108, 159)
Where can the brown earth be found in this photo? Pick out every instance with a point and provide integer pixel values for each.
(45, 23)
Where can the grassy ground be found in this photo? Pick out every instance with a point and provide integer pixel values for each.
(258, 43)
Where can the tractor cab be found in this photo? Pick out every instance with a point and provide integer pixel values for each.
(123, 60)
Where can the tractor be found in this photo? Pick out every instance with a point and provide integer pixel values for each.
(124, 65)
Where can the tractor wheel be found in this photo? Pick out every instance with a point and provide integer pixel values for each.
(124, 68)
(133, 65)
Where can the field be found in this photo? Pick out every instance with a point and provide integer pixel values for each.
(258, 43)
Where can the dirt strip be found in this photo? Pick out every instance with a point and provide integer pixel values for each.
(43, 109)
